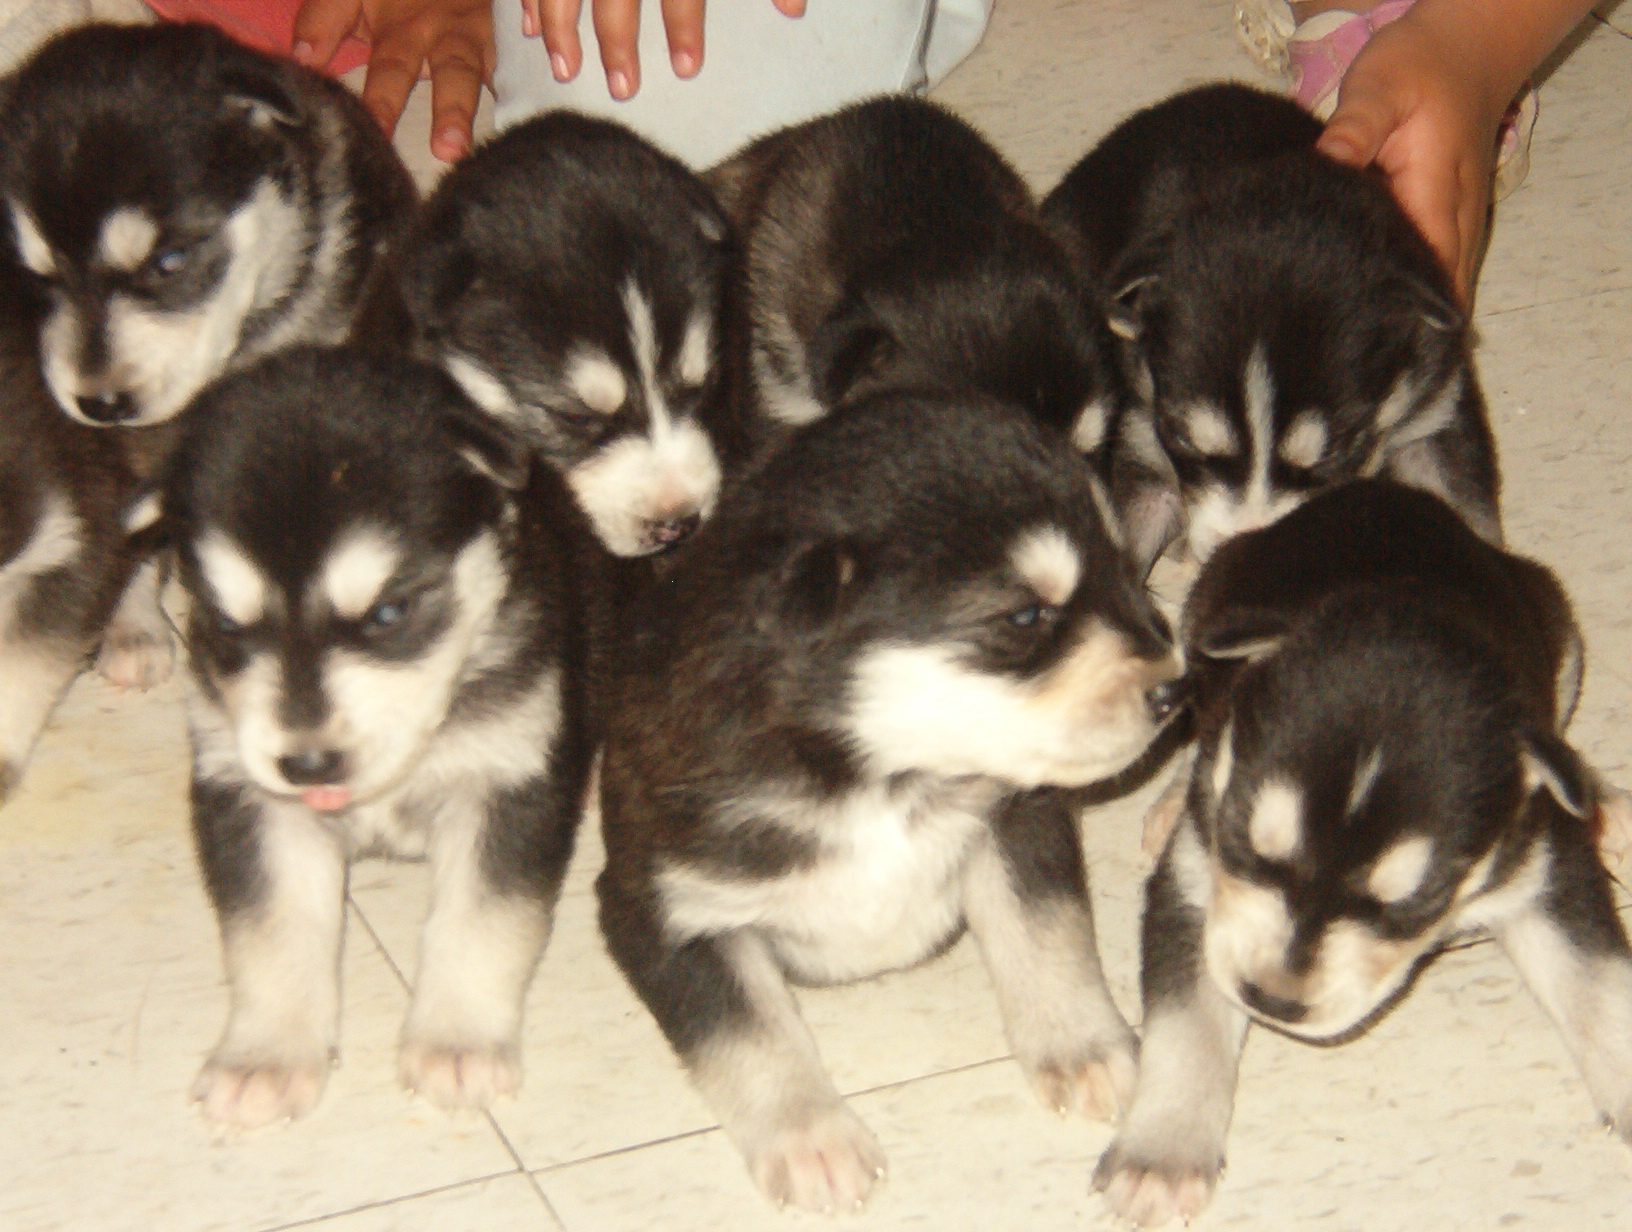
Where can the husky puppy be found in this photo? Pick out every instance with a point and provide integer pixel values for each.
(1380, 694)
(186, 205)
(1289, 327)
(843, 735)
(182, 205)
(64, 555)
(570, 277)
(386, 662)
(889, 243)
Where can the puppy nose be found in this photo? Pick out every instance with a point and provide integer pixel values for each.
(312, 768)
(667, 532)
(1270, 1006)
(115, 408)
(1167, 697)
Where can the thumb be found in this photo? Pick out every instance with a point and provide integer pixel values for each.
(319, 27)
(1362, 122)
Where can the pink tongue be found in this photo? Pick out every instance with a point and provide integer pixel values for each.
(326, 799)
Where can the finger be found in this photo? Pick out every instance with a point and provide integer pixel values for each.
(320, 25)
(530, 25)
(617, 30)
(1362, 122)
(1432, 196)
(393, 68)
(1474, 219)
(683, 23)
(558, 23)
(790, 8)
(457, 73)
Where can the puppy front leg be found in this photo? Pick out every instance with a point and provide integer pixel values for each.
(497, 865)
(137, 649)
(34, 674)
(1026, 901)
(726, 1009)
(1571, 950)
(278, 881)
(1168, 1157)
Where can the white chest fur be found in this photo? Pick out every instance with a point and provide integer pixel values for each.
(884, 891)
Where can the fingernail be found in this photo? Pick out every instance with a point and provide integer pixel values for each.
(453, 141)
(529, 24)
(618, 82)
(560, 67)
(685, 64)
(303, 51)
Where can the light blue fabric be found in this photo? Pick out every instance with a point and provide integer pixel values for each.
(761, 70)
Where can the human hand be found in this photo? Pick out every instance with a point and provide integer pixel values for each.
(450, 41)
(1425, 111)
(617, 30)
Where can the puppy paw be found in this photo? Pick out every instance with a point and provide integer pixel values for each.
(1152, 1186)
(236, 1094)
(1097, 1084)
(456, 1077)
(136, 655)
(830, 1163)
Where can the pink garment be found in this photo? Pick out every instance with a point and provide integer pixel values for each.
(1319, 64)
(266, 25)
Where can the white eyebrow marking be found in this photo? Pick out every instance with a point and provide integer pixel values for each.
(1210, 431)
(1276, 825)
(1399, 872)
(1304, 443)
(126, 239)
(31, 244)
(596, 380)
(1046, 558)
(1088, 433)
(237, 583)
(356, 569)
(696, 350)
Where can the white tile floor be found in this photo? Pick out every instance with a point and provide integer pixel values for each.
(1460, 1111)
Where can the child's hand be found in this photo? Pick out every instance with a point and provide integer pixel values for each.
(450, 41)
(617, 29)
(1419, 107)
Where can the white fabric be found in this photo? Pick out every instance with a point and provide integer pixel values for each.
(760, 71)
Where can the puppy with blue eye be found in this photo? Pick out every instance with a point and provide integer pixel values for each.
(387, 661)
(845, 733)
(1286, 325)
(1379, 696)
(571, 278)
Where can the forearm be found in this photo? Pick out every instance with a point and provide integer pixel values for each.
(1502, 42)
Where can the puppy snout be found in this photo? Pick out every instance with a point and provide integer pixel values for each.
(1164, 699)
(108, 408)
(666, 532)
(1282, 1009)
(313, 767)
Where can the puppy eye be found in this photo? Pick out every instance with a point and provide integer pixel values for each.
(383, 616)
(1035, 616)
(226, 625)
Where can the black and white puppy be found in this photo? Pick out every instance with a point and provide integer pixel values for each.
(64, 554)
(890, 244)
(1289, 327)
(384, 648)
(842, 737)
(1380, 696)
(570, 277)
(182, 205)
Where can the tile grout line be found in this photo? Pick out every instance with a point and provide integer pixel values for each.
(487, 1113)
(384, 1203)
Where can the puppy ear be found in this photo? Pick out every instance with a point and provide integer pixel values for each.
(1244, 635)
(1552, 766)
(818, 580)
(488, 447)
(850, 346)
(264, 97)
(1131, 283)
(1432, 305)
